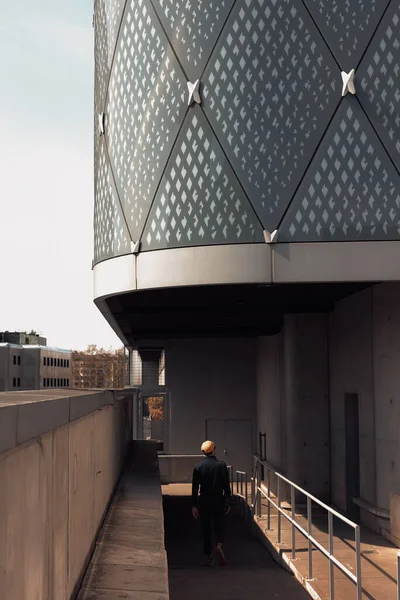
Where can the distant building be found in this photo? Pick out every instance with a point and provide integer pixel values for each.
(98, 369)
(22, 338)
(34, 367)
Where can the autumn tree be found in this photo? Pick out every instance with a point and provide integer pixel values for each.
(156, 407)
(98, 368)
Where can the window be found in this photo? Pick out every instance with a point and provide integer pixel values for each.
(19, 360)
(19, 382)
(68, 381)
(44, 361)
(52, 382)
(51, 361)
(48, 381)
(58, 362)
(68, 364)
(14, 360)
(58, 382)
(14, 381)
(44, 382)
(64, 362)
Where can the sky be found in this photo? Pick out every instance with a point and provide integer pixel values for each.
(46, 173)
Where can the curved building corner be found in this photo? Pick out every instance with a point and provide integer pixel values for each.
(247, 223)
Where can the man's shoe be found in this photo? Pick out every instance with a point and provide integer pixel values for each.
(221, 556)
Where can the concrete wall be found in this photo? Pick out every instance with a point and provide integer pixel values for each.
(293, 402)
(57, 477)
(365, 360)
(208, 379)
(270, 399)
(351, 371)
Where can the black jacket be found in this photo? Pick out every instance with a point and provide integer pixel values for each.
(211, 476)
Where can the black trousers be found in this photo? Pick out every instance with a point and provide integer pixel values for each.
(212, 523)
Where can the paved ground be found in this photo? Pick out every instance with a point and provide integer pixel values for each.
(251, 572)
(129, 561)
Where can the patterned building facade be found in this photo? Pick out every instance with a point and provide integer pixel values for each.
(270, 144)
(247, 222)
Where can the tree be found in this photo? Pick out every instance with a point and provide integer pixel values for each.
(98, 368)
(156, 407)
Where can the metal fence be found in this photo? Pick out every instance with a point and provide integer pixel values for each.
(242, 492)
(259, 490)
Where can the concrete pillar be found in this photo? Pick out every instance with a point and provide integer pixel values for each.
(306, 385)
(150, 367)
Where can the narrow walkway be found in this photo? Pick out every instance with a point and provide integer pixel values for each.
(251, 572)
(129, 559)
(378, 557)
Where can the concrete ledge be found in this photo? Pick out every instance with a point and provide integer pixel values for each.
(8, 427)
(283, 559)
(92, 403)
(37, 418)
(27, 415)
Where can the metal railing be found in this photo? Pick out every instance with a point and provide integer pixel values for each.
(258, 490)
(242, 492)
(230, 473)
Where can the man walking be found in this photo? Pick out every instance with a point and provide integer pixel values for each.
(211, 476)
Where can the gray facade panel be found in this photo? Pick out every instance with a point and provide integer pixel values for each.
(111, 236)
(379, 77)
(270, 90)
(284, 151)
(193, 28)
(347, 26)
(145, 109)
(199, 201)
(351, 190)
(101, 46)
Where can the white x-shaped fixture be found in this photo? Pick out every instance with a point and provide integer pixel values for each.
(101, 123)
(348, 82)
(194, 92)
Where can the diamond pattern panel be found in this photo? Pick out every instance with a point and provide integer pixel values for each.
(347, 26)
(113, 9)
(351, 190)
(379, 76)
(145, 108)
(111, 237)
(269, 92)
(200, 201)
(193, 27)
(101, 58)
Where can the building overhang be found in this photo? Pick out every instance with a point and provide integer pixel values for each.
(234, 290)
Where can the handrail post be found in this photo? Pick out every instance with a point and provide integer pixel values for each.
(398, 576)
(246, 506)
(357, 536)
(279, 510)
(331, 566)
(253, 496)
(237, 483)
(309, 530)
(268, 498)
(293, 503)
(258, 490)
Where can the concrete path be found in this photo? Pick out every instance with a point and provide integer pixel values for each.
(251, 572)
(129, 560)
